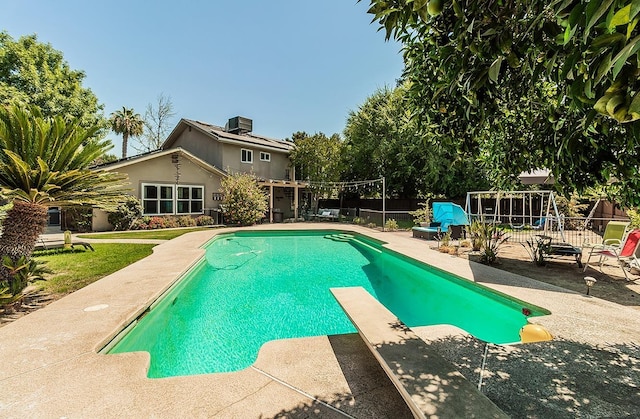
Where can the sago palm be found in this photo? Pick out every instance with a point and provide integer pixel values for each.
(129, 124)
(45, 162)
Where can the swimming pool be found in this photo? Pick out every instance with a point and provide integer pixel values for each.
(254, 287)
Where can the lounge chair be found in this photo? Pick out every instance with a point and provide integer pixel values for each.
(43, 244)
(626, 253)
(429, 232)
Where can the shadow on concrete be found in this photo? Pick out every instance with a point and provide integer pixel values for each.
(371, 393)
(434, 384)
(556, 379)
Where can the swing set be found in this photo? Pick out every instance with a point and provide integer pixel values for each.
(536, 210)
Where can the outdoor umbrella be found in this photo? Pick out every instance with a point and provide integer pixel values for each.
(449, 213)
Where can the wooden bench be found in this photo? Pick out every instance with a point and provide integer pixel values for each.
(429, 384)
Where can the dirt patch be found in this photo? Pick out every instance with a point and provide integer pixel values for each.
(29, 303)
(564, 272)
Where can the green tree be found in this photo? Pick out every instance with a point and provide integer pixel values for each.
(469, 61)
(317, 157)
(244, 201)
(129, 124)
(44, 162)
(34, 73)
(382, 139)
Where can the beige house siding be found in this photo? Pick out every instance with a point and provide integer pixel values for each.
(163, 170)
(201, 145)
(100, 221)
(276, 168)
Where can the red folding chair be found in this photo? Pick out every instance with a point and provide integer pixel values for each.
(623, 254)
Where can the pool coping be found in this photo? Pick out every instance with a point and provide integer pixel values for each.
(51, 366)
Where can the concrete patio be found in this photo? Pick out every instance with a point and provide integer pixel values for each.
(51, 366)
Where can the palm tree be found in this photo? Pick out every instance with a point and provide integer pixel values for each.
(127, 123)
(44, 162)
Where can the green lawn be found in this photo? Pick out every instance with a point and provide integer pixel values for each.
(77, 269)
(160, 234)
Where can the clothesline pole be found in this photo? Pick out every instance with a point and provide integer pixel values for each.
(384, 198)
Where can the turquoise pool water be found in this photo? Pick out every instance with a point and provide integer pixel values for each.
(254, 287)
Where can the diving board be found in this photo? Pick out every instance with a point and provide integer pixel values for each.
(429, 384)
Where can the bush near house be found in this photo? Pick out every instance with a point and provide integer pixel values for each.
(126, 214)
(157, 222)
(244, 203)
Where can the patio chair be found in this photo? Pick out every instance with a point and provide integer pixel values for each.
(626, 253)
(612, 236)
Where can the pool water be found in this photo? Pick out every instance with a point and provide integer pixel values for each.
(254, 287)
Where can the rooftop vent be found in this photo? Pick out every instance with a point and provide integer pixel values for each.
(239, 125)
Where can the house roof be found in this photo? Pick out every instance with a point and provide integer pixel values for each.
(159, 153)
(218, 133)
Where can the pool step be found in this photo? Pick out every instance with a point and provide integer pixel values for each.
(344, 237)
(339, 237)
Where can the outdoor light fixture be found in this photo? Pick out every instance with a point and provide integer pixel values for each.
(589, 280)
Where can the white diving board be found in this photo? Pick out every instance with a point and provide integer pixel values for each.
(430, 385)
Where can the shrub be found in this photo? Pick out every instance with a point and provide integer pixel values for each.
(244, 201)
(491, 238)
(391, 225)
(475, 231)
(185, 221)
(634, 216)
(80, 218)
(21, 272)
(126, 214)
(156, 222)
(360, 220)
(422, 215)
(141, 223)
(204, 220)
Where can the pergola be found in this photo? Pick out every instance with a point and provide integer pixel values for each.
(292, 184)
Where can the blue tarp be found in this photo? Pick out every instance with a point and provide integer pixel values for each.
(448, 213)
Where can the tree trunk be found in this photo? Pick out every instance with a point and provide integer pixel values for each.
(21, 229)
(125, 140)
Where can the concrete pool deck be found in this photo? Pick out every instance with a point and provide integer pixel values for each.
(51, 368)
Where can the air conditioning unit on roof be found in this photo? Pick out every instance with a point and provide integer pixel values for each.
(239, 125)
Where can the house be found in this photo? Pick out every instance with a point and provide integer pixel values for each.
(184, 176)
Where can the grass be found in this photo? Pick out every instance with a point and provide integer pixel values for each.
(160, 234)
(78, 268)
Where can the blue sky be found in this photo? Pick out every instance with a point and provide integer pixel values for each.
(290, 65)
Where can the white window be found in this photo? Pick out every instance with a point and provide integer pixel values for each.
(265, 156)
(246, 156)
(159, 199)
(190, 200)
